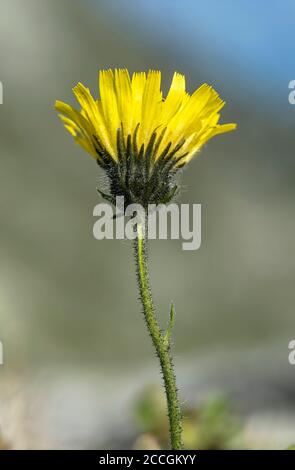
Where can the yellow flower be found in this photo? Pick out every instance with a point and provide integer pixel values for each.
(132, 123)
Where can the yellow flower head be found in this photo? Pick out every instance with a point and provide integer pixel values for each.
(140, 138)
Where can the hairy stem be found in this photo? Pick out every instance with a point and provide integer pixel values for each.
(160, 341)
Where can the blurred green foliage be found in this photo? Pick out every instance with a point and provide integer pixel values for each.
(210, 425)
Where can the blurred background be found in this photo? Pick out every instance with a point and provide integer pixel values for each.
(79, 370)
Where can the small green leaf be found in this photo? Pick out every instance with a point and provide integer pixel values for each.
(168, 333)
(105, 196)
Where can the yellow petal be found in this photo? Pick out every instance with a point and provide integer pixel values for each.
(151, 106)
(109, 104)
(137, 85)
(174, 98)
(94, 115)
(80, 135)
(124, 99)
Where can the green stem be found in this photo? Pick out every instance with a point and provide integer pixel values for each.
(160, 341)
